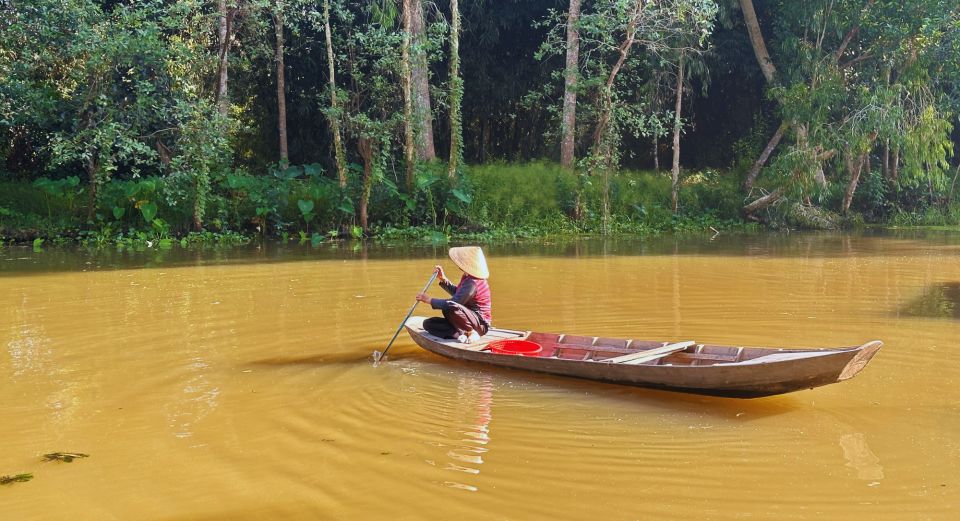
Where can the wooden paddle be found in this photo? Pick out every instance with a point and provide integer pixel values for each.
(377, 355)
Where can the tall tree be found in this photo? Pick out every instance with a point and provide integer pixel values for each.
(409, 146)
(836, 90)
(756, 40)
(281, 83)
(420, 82)
(226, 16)
(334, 114)
(456, 92)
(677, 110)
(572, 71)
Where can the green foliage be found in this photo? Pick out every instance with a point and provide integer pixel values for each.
(109, 131)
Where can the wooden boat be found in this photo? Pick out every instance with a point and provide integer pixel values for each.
(742, 372)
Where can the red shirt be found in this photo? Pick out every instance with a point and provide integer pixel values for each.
(471, 293)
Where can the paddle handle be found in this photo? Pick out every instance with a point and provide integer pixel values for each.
(409, 313)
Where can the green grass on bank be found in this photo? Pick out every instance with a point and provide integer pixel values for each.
(488, 202)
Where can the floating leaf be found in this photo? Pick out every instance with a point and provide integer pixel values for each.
(5, 480)
(316, 239)
(66, 457)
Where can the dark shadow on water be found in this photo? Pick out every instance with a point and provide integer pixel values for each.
(936, 301)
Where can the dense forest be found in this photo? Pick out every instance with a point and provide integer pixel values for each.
(155, 118)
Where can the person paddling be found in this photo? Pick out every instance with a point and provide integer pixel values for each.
(466, 316)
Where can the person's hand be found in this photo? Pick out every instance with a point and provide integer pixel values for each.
(441, 275)
(422, 297)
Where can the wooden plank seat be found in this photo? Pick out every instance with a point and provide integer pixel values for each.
(650, 354)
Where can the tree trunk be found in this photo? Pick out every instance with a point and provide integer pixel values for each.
(762, 202)
(803, 143)
(885, 165)
(895, 165)
(601, 145)
(92, 166)
(756, 40)
(456, 92)
(764, 156)
(953, 184)
(606, 94)
(281, 85)
(774, 196)
(201, 191)
(675, 171)
(224, 31)
(656, 153)
(569, 119)
(420, 79)
(405, 81)
(339, 153)
(366, 147)
(854, 167)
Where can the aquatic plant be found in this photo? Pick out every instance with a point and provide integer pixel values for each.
(66, 457)
(15, 478)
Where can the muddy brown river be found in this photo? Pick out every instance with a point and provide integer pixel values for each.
(238, 384)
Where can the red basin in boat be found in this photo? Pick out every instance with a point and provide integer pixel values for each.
(516, 347)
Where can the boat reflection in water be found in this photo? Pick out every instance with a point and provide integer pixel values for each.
(470, 413)
(860, 458)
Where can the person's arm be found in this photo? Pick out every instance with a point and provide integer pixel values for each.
(445, 283)
(464, 293)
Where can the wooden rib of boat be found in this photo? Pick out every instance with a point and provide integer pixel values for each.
(741, 372)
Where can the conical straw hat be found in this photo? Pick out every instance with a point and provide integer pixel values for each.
(470, 259)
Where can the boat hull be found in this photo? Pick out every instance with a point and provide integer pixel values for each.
(783, 372)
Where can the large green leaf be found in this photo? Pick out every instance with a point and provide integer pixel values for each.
(289, 173)
(118, 212)
(463, 196)
(305, 205)
(149, 211)
(313, 169)
(346, 206)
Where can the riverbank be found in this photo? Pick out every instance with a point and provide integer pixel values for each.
(486, 203)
